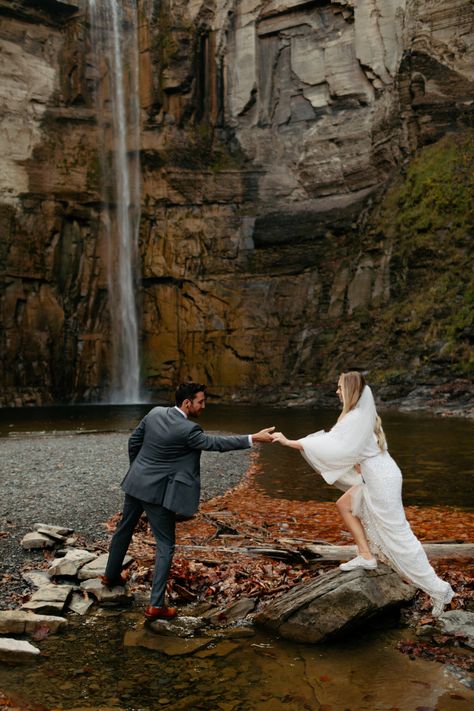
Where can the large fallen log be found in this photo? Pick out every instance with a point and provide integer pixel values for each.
(291, 551)
(433, 551)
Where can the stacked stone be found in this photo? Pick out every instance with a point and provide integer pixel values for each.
(68, 584)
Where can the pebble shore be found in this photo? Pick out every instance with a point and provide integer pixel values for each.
(74, 480)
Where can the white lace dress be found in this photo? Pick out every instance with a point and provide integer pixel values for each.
(377, 501)
(376, 496)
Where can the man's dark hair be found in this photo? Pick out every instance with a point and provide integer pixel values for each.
(188, 391)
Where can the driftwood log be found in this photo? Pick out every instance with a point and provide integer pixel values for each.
(294, 551)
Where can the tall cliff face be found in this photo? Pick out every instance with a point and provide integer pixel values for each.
(270, 132)
(53, 284)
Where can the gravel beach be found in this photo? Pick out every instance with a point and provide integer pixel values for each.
(74, 480)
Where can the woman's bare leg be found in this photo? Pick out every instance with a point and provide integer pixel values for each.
(344, 505)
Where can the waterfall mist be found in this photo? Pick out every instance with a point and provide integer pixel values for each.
(114, 37)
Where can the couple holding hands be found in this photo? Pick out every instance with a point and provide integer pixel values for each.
(164, 481)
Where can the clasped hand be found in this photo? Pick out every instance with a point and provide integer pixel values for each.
(264, 435)
(279, 437)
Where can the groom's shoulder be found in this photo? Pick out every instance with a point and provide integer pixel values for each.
(157, 412)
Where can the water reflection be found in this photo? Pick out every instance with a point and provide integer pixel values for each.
(435, 454)
(93, 666)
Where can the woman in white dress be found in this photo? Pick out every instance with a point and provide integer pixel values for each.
(353, 456)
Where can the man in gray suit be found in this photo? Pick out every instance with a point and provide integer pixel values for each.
(164, 480)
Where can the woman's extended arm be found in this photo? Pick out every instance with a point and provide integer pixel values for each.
(280, 437)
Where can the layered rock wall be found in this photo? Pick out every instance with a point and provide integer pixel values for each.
(270, 132)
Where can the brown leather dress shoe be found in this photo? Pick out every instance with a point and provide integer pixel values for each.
(160, 613)
(121, 580)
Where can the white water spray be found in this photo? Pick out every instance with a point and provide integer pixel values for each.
(115, 45)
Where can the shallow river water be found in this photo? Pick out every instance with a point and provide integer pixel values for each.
(108, 660)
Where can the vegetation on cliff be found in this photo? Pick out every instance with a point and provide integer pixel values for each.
(424, 222)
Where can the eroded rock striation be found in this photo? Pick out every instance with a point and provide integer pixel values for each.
(270, 254)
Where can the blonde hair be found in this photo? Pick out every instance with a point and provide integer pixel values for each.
(352, 386)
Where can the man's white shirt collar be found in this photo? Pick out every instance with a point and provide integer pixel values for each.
(180, 411)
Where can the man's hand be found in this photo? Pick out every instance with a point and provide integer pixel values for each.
(263, 436)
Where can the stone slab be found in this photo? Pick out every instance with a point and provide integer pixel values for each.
(96, 567)
(43, 607)
(21, 622)
(171, 646)
(80, 604)
(51, 592)
(36, 540)
(181, 626)
(458, 622)
(17, 650)
(59, 534)
(103, 594)
(69, 564)
(58, 530)
(37, 578)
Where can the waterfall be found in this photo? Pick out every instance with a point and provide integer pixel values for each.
(114, 37)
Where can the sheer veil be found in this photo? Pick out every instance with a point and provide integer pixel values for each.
(334, 453)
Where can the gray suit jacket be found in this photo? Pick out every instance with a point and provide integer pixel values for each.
(165, 452)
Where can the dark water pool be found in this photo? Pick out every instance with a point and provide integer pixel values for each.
(435, 454)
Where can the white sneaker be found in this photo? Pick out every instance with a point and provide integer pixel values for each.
(359, 562)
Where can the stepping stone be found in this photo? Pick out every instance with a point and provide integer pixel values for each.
(117, 594)
(37, 540)
(53, 530)
(21, 622)
(97, 567)
(38, 578)
(179, 627)
(171, 646)
(80, 604)
(333, 603)
(49, 599)
(70, 563)
(17, 650)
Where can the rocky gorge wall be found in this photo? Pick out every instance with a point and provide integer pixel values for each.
(271, 254)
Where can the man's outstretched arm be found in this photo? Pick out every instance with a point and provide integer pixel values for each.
(198, 439)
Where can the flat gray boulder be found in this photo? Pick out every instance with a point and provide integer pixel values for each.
(49, 599)
(61, 531)
(96, 567)
(37, 578)
(21, 622)
(171, 646)
(69, 564)
(181, 626)
(334, 603)
(118, 594)
(80, 603)
(17, 650)
(459, 623)
(58, 533)
(37, 540)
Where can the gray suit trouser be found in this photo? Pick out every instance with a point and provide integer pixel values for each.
(163, 524)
